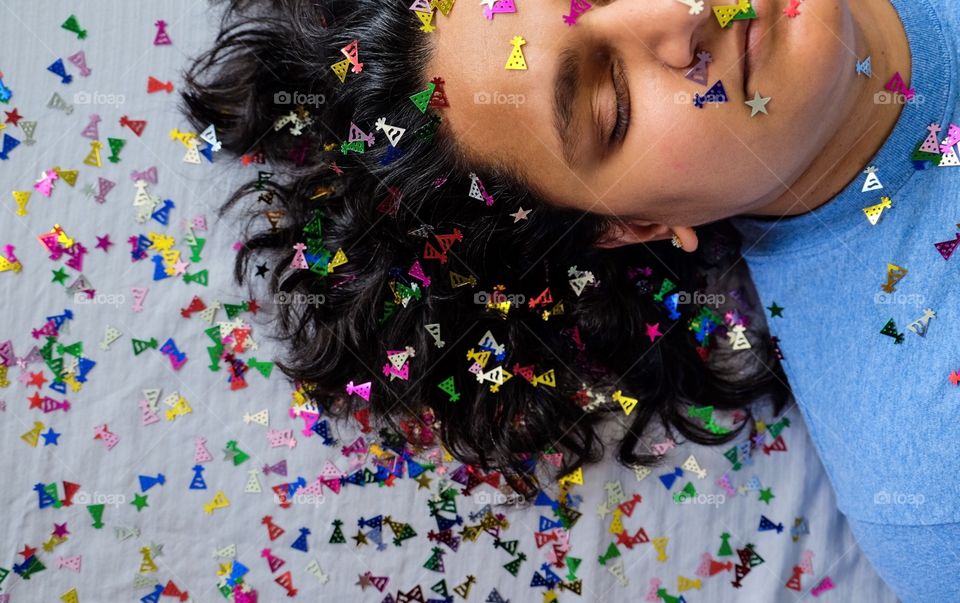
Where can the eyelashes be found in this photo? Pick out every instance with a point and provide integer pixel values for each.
(622, 94)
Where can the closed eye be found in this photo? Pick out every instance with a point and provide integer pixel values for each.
(622, 92)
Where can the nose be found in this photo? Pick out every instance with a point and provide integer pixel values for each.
(664, 28)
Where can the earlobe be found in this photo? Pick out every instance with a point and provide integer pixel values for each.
(687, 237)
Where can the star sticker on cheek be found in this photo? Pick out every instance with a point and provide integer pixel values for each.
(520, 214)
(758, 104)
(104, 242)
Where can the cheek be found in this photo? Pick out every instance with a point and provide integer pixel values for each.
(679, 176)
(706, 169)
(818, 68)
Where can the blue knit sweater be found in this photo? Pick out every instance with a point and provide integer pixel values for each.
(870, 323)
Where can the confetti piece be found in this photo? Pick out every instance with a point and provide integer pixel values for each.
(516, 60)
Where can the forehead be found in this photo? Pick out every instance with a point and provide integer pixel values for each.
(496, 114)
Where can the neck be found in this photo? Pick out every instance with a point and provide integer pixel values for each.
(879, 34)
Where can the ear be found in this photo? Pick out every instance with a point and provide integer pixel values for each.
(622, 233)
(630, 233)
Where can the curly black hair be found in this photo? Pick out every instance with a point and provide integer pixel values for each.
(539, 326)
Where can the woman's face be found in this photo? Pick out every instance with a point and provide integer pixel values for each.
(603, 119)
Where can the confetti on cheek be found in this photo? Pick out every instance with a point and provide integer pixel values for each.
(793, 9)
(716, 94)
(758, 104)
(698, 73)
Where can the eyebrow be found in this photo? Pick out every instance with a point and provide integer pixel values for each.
(565, 86)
